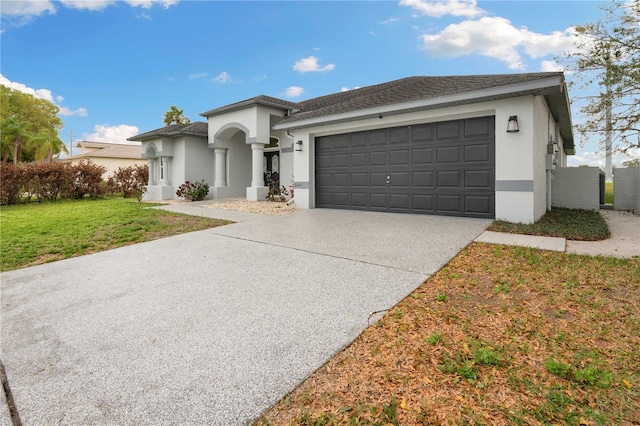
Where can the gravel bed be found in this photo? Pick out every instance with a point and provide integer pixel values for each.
(259, 207)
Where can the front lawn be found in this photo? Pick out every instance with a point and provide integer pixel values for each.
(499, 336)
(38, 233)
(581, 225)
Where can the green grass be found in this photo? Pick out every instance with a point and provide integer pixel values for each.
(581, 225)
(608, 192)
(36, 233)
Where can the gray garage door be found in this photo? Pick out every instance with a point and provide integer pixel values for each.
(445, 168)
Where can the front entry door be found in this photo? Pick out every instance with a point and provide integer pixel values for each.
(272, 167)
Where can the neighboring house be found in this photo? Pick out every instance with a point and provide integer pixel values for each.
(109, 155)
(432, 145)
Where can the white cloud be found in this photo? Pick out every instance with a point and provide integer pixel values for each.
(497, 38)
(197, 75)
(346, 89)
(20, 12)
(66, 112)
(388, 21)
(112, 134)
(294, 91)
(43, 94)
(87, 4)
(222, 78)
(310, 64)
(440, 8)
(27, 8)
(551, 66)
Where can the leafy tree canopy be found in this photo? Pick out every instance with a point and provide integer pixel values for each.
(608, 59)
(28, 127)
(175, 116)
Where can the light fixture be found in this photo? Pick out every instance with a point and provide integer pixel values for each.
(512, 125)
(299, 146)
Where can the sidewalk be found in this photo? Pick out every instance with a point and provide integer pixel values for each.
(624, 240)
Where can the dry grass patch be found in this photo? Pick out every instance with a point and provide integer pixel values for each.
(501, 335)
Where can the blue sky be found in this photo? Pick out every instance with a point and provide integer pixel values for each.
(114, 67)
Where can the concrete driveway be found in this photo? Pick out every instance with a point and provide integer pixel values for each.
(210, 327)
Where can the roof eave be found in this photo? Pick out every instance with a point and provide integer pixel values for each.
(546, 86)
(242, 105)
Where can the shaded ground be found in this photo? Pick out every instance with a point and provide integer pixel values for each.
(501, 335)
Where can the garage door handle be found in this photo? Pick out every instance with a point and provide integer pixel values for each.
(388, 181)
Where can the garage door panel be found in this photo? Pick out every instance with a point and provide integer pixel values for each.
(477, 153)
(323, 161)
(341, 179)
(359, 179)
(341, 160)
(378, 200)
(359, 159)
(478, 127)
(422, 155)
(423, 179)
(478, 179)
(449, 179)
(399, 157)
(423, 203)
(378, 137)
(400, 201)
(479, 204)
(448, 154)
(359, 200)
(378, 179)
(448, 130)
(433, 168)
(378, 158)
(423, 133)
(341, 142)
(402, 179)
(449, 203)
(359, 139)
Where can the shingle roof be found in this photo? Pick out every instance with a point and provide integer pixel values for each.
(197, 128)
(109, 150)
(405, 90)
(258, 100)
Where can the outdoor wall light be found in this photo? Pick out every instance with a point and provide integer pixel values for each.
(512, 125)
(299, 146)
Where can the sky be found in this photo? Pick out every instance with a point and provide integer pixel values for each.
(115, 67)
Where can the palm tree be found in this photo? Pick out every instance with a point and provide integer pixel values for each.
(175, 116)
(46, 146)
(14, 134)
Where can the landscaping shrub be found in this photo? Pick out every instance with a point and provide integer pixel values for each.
(130, 181)
(46, 180)
(12, 177)
(193, 191)
(86, 179)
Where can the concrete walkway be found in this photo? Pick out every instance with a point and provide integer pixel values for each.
(210, 327)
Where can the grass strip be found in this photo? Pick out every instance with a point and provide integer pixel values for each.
(580, 225)
(36, 233)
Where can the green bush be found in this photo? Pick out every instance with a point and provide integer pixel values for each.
(193, 191)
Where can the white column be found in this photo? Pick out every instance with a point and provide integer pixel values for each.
(257, 191)
(221, 167)
(257, 159)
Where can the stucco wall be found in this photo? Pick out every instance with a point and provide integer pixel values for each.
(576, 188)
(199, 160)
(238, 166)
(626, 189)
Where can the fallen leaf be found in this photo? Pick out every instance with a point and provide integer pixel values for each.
(627, 383)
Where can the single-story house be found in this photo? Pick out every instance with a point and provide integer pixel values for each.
(109, 155)
(483, 146)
